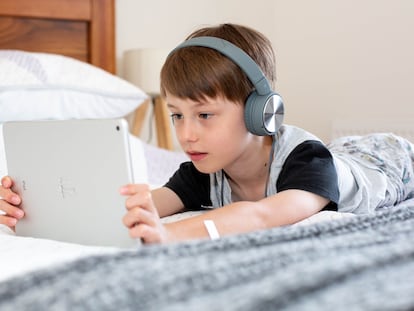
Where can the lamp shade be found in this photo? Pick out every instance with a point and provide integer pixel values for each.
(142, 67)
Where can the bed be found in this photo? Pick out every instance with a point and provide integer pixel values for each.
(329, 261)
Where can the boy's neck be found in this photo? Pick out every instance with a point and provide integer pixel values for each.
(248, 178)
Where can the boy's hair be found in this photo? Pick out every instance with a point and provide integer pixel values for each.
(198, 73)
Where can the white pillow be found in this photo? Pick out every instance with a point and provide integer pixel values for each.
(39, 86)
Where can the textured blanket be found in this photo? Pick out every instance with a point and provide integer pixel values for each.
(358, 263)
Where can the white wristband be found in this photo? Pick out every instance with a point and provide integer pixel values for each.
(211, 229)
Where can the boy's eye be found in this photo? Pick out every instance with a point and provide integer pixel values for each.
(205, 115)
(176, 116)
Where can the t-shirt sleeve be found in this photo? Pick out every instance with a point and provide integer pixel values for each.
(191, 186)
(310, 167)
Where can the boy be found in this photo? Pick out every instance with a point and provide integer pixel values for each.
(247, 170)
(206, 93)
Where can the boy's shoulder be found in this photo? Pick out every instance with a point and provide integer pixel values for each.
(289, 134)
(287, 139)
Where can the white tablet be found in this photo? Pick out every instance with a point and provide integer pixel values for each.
(68, 174)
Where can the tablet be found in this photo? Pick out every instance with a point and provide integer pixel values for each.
(68, 174)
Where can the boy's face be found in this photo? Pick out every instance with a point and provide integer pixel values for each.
(211, 132)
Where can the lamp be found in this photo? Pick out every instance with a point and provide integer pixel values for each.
(142, 67)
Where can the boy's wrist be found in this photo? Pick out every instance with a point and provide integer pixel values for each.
(168, 235)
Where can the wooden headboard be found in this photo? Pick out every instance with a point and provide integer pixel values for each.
(83, 29)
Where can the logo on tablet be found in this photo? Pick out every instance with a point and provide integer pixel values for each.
(66, 188)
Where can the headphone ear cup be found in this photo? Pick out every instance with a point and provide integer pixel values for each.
(253, 111)
(263, 114)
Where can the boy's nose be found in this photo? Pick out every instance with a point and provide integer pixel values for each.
(188, 131)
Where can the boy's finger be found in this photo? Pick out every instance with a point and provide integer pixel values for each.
(6, 182)
(11, 210)
(132, 189)
(11, 198)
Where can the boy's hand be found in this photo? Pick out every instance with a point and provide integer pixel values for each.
(10, 213)
(142, 218)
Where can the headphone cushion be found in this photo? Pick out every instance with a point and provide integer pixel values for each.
(253, 114)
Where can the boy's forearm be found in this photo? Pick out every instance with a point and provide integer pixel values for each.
(235, 218)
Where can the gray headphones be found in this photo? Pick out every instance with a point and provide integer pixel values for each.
(264, 109)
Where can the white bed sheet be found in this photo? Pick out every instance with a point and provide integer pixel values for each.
(20, 255)
(3, 166)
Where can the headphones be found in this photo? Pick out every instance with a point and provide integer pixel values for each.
(263, 113)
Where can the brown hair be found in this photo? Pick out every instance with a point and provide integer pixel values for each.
(198, 72)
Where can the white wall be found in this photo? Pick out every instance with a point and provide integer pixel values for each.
(163, 23)
(335, 59)
(345, 59)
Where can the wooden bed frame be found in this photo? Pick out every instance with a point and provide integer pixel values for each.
(82, 29)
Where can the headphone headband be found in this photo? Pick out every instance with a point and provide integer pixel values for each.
(237, 55)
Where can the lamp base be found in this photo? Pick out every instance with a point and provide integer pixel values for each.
(161, 117)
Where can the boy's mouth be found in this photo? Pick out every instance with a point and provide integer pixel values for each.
(196, 156)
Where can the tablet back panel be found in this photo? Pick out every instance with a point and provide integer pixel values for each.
(69, 174)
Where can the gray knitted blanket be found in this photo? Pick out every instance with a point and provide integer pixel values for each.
(358, 263)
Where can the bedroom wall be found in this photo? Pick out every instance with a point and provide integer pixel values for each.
(336, 60)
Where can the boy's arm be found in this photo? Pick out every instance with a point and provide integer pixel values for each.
(166, 201)
(286, 207)
(144, 207)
